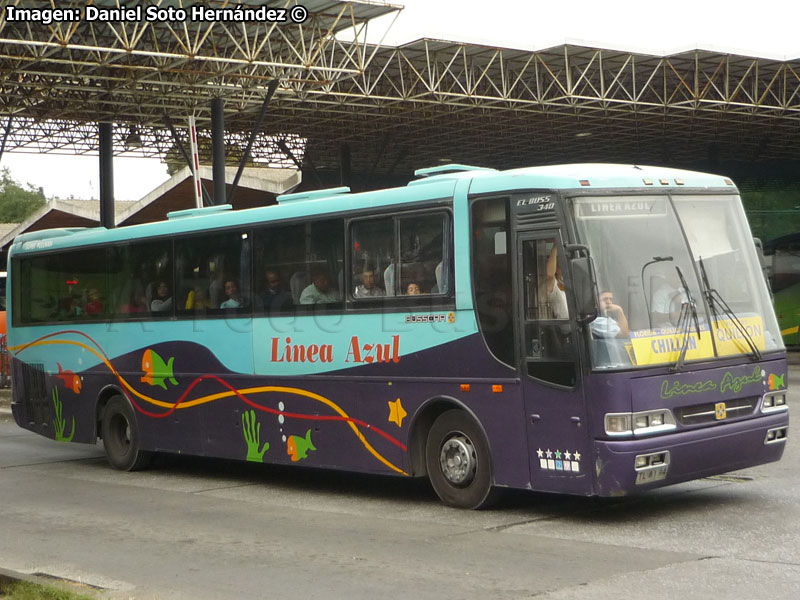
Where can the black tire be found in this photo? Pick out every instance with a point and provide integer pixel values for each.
(121, 436)
(459, 462)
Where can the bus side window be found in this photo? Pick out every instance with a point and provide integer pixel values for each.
(298, 267)
(400, 256)
(421, 253)
(491, 276)
(372, 246)
(134, 270)
(212, 281)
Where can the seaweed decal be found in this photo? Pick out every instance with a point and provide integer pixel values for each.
(252, 436)
(59, 424)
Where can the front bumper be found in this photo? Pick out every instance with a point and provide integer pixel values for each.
(691, 455)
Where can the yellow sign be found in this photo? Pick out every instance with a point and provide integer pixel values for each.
(721, 410)
(658, 346)
(730, 339)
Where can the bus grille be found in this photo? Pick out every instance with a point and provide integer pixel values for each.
(699, 414)
(34, 384)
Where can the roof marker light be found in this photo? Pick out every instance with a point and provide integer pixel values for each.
(648, 181)
(728, 181)
(663, 181)
(585, 183)
(678, 181)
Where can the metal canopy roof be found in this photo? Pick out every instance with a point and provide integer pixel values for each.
(398, 108)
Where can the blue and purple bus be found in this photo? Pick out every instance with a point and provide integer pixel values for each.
(584, 329)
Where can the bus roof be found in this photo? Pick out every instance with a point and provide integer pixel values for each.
(436, 184)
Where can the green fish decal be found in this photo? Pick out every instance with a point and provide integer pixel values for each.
(298, 447)
(776, 381)
(155, 370)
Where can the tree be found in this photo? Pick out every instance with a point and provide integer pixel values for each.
(17, 202)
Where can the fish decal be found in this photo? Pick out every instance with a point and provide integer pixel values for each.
(155, 370)
(70, 379)
(776, 381)
(298, 447)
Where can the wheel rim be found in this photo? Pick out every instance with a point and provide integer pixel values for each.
(458, 460)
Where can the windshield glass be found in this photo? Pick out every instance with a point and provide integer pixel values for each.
(647, 252)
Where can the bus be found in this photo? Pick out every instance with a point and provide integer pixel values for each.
(583, 329)
(783, 266)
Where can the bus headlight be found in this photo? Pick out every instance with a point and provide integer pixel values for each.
(774, 402)
(618, 424)
(646, 422)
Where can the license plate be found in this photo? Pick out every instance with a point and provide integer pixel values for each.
(651, 475)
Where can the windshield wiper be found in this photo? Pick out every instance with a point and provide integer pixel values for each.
(687, 315)
(712, 295)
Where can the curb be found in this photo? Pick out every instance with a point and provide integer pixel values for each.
(7, 577)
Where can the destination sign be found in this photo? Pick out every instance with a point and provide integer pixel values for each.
(618, 207)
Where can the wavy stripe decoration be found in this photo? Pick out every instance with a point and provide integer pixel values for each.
(184, 401)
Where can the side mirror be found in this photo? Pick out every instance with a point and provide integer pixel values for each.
(584, 283)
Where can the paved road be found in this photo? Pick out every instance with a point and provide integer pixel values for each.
(209, 529)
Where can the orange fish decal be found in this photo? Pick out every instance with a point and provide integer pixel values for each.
(70, 379)
(297, 447)
(156, 371)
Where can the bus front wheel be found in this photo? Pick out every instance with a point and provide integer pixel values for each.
(458, 460)
(121, 436)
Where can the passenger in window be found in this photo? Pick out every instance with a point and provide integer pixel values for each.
(612, 321)
(320, 290)
(234, 298)
(275, 297)
(554, 287)
(413, 289)
(163, 300)
(94, 306)
(368, 288)
(197, 299)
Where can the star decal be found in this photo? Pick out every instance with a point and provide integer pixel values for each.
(558, 455)
(548, 454)
(577, 455)
(539, 453)
(568, 455)
(396, 412)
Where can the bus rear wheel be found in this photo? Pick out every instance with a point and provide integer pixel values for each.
(121, 436)
(458, 460)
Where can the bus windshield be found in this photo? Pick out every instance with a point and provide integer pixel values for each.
(677, 280)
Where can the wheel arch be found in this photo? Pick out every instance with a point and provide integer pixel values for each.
(427, 413)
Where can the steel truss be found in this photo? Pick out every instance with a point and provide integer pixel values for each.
(397, 108)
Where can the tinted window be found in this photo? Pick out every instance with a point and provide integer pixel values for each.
(400, 256)
(491, 274)
(299, 267)
(212, 274)
(136, 274)
(71, 286)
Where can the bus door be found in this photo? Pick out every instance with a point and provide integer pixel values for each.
(547, 350)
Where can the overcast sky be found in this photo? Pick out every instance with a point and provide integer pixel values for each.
(765, 29)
